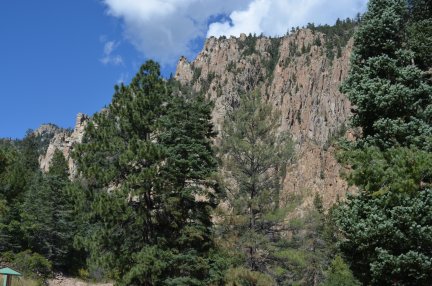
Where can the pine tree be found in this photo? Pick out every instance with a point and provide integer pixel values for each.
(384, 229)
(30, 147)
(419, 32)
(46, 214)
(37, 220)
(387, 238)
(147, 162)
(3, 161)
(339, 274)
(14, 183)
(63, 215)
(392, 98)
(399, 170)
(254, 158)
(309, 244)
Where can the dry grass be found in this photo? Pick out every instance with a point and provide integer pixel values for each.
(21, 281)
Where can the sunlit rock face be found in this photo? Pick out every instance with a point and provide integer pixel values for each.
(65, 141)
(296, 76)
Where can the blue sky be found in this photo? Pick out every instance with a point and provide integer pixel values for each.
(50, 62)
(58, 57)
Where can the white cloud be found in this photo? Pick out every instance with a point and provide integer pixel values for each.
(109, 57)
(115, 60)
(166, 29)
(138, 10)
(276, 17)
(109, 47)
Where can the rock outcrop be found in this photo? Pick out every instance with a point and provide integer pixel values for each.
(47, 130)
(296, 76)
(65, 141)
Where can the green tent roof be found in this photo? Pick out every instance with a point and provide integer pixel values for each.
(8, 271)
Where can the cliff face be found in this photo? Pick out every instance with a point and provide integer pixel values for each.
(296, 76)
(293, 73)
(64, 141)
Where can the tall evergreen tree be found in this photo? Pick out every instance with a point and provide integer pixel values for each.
(63, 215)
(419, 32)
(47, 214)
(392, 97)
(147, 162)
(254, 159)
(37, 220)
(339, 274)
(312, 245)
(388, 238)
(386, 228)
(30, 147)
(14, 183)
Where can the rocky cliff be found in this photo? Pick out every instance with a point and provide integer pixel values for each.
(64, 141)
(298, 77)
(297, 74)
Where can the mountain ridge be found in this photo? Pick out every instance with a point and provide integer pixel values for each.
(295, 74)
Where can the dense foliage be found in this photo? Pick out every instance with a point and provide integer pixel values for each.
(386, 229)
(35, 210)
(153, 205)
(254, 159)
(388, 238)
(340, 274)
(336, 36)
(147, 162)
(392, 97)
(265, 247)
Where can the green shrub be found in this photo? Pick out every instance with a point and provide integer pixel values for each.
(339, 274)
(248, 45)
(244, 276)
(196, 75)
(33, 265)
(83, 274)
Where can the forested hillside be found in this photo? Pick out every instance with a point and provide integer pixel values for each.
(300, 160)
